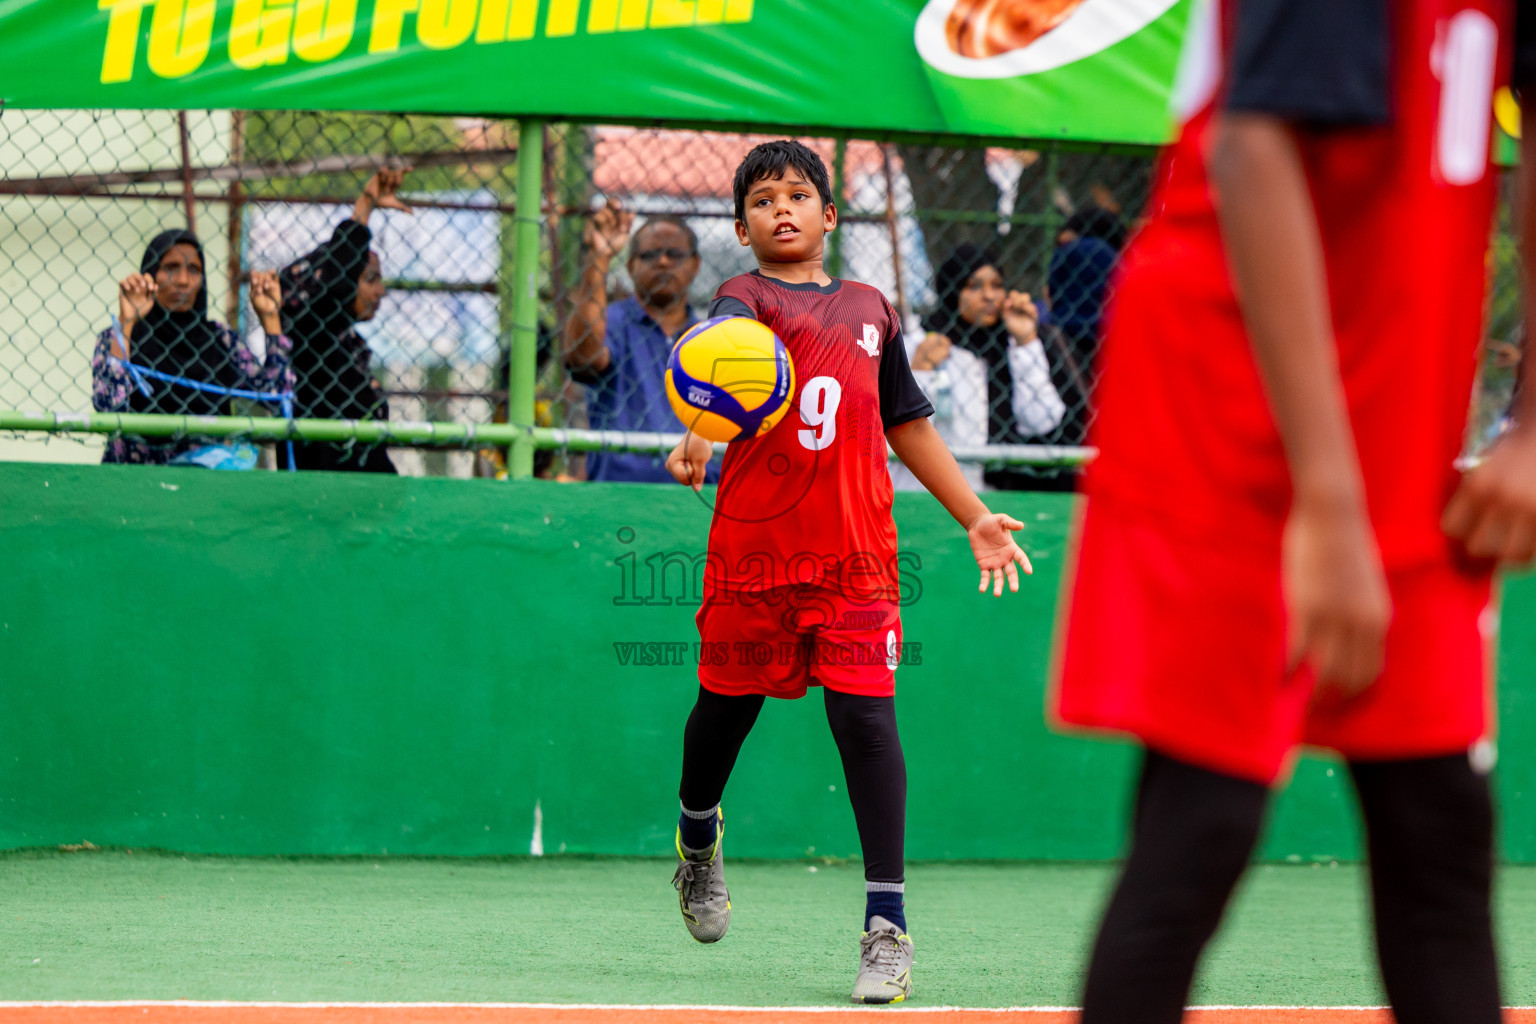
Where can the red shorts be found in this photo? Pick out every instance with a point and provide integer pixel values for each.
(780, 641)
(1183, 646)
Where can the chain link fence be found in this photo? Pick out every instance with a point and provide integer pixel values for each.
(406, 316)
(1506, 328)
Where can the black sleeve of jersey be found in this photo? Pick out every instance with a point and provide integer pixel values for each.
(1322, 63)
(730, 305)
(901, 400)
(1524, 76)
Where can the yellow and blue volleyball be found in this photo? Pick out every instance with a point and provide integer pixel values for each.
(730, 379)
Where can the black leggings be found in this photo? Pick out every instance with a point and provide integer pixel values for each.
(865, 731)
(1429, 823)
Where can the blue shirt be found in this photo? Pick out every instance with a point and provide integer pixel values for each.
(631, 394)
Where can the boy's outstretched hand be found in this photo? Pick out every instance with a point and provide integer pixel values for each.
(918, 445)
(381, 193)
(996, 553)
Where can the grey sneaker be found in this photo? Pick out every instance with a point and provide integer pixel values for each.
(885, 964)
(701, 891)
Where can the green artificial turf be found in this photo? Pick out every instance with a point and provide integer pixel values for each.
(119, 925)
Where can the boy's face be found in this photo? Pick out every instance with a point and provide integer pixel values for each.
(785, 219)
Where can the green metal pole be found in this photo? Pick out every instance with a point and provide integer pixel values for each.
(839, 185)
(525, 291)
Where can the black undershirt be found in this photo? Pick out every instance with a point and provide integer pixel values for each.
(1320, 63)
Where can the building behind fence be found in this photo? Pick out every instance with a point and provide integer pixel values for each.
(83, 192)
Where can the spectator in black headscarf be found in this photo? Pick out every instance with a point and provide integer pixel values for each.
(326, 294)
(978, 315)
(163, 326)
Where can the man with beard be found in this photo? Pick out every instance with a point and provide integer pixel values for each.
(619, 350)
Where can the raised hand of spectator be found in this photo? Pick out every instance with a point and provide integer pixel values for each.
(607, 231)
(384, 187)
(931, 352)
(266, 300)
(135, 298)
(381, 192)
(1506, 356)
(1105, 199)
(1021, 317)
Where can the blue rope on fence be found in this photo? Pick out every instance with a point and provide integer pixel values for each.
(283, 399)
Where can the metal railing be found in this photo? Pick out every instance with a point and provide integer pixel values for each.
(467, 360)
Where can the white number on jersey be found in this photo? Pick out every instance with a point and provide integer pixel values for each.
(1465, 58)
(818, 408)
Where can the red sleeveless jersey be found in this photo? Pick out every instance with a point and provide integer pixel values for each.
(810, 501)
(1405, 210)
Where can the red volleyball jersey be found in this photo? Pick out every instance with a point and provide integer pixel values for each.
(1403, 188)
(810, 501)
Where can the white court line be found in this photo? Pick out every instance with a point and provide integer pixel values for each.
(642, 1007)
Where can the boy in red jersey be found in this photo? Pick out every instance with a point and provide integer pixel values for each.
(802, 551)
(1277, 548)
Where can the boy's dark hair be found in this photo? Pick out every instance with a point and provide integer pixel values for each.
(773, 160)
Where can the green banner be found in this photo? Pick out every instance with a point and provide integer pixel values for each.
(1067, 69)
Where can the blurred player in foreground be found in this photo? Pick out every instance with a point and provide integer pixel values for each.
(1278, 549)
(802, 551)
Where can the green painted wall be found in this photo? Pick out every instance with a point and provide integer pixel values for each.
(264, 663)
